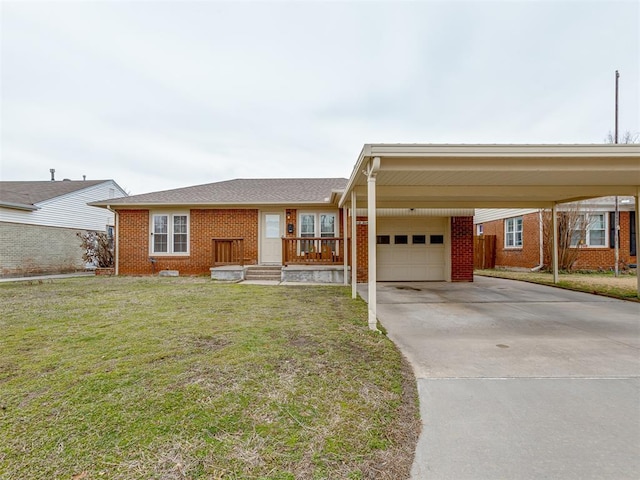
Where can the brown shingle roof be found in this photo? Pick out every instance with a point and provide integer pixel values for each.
(242, 191)
(30, 193)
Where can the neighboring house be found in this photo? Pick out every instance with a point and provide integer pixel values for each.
(520, 241)
(294, 223)
(40, 220)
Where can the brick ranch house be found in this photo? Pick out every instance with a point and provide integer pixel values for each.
(405, 213)
(293, 223)
(520, 241)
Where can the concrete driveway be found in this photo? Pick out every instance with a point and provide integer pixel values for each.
(519, 381)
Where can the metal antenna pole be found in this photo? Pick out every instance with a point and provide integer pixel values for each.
(616, 215)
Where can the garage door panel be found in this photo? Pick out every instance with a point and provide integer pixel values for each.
(411, 262)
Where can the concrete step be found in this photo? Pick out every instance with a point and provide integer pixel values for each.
(262, 277)
(263, 272)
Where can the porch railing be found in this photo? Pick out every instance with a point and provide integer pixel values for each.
(313, 251)
(227, 251)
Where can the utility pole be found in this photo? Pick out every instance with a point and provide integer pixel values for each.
(617, 211)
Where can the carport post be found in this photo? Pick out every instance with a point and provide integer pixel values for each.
(371, 252)
(638, 238)
(345, 249)
(354, 247)
(554, 252)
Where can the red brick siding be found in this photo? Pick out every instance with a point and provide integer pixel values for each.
(133, 242)
(362, 232)
(529, 255)
(292, 219)
(205, 224)
(462, 249)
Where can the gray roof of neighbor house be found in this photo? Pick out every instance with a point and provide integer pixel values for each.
(241, 191)
(27, 194)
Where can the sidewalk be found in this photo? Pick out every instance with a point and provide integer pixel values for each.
(47, 277)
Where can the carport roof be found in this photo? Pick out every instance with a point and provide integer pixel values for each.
(492, 176)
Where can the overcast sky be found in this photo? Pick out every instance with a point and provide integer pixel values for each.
(160, 95)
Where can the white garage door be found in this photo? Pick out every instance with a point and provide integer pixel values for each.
(411, 249)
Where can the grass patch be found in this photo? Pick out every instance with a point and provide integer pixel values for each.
(602, 283)
(186, 378)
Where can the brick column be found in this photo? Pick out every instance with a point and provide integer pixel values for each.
(462, 249)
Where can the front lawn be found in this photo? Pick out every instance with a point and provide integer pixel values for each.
(173, 378)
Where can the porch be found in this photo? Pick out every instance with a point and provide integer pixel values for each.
(314, 250)
(304, 259)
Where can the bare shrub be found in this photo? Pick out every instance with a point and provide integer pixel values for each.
(98, 249)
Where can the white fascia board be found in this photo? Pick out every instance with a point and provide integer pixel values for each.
(504, 150)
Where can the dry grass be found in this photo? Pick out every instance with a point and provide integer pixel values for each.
(623, 287)
(181, 378)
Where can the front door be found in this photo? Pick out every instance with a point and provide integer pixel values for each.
(271, 238)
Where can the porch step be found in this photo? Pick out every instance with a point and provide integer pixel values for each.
(263, 272)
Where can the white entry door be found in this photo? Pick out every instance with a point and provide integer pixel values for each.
(271, 238)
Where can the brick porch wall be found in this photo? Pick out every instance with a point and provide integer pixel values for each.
(205, 224)
(529, 255)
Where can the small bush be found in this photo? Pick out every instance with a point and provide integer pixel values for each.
(98, 249)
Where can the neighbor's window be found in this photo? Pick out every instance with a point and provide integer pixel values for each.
(513, 232)
(110, 235)
(170, 233)
(590, 231)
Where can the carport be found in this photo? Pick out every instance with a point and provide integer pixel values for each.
(424, 176)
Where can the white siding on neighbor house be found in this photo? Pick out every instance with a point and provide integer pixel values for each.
(70, 210)
(484, 215)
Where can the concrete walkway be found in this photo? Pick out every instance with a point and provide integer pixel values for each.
(48, 277)
(519, 381)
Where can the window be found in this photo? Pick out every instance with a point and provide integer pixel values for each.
(436, 239)
(316, 225)
(327, 225)
(419, 239)
(383, 239)
(513, 232)
(272, 224)
(110, 235)
(401, 239)
(590, 231)
(170, 233)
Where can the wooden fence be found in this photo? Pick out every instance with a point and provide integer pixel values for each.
(484, 251)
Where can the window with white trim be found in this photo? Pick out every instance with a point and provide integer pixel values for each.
(590, 231)
(318, 225)
(513, 232)
(323, 225)
(170, 233)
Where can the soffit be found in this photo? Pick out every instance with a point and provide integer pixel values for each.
(494, 176)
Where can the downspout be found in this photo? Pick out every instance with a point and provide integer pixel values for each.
(116, 249)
